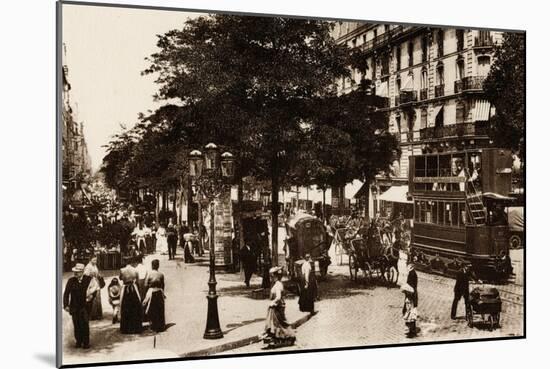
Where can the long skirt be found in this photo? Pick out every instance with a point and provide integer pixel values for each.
(162, 245)
(307, 298)
(155, 312)
(130, 311)
(187, 256)
(96, 312)
(277, 328)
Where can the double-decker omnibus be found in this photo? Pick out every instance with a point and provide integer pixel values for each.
(460, 200)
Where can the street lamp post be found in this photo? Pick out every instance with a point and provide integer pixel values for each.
(212, 177)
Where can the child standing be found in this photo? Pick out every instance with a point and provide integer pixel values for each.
(409, 310)
(114, 298)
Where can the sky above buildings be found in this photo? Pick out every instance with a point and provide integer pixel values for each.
(105, 52)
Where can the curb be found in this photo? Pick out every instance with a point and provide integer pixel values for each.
(239, 343)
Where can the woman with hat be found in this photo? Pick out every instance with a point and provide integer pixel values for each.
(277, 330)
(91, 270)
(154, 299)
(409, 310)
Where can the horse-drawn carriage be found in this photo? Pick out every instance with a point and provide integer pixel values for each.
(306, 234)
(371, 249)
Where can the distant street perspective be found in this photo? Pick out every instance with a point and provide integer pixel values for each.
(245, 184)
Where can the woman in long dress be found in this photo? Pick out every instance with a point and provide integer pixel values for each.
(130, 302)
(277, 331)
(154, 299)
(162, 240)
(91, 270)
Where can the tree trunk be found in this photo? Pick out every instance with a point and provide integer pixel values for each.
(324, 202)
(274, 220)
(189, 189)
(240, 217)
(157, 207)
(175, 198)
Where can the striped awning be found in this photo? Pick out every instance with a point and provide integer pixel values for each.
(482, 108)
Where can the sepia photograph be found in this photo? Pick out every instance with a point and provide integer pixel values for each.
(238, 184)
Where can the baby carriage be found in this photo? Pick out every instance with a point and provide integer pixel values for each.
(484, 302)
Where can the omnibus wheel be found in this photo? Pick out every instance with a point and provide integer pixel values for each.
(515, 242)
(368, 270)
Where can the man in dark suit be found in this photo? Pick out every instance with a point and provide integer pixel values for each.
(462, 287)
(248, 261)
(75, 301)
(172, 239)
(412, 280)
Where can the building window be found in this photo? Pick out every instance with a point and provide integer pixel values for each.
(439, 118)
(410, 48)
(398, 85)
(440, 75)
(354, 43)
(459, 39)
(385, 65)
(459, 68)
(424, 80)
(424, 118)
(440, 37)
(483, 65)
(365, 38)
(459, 112)
(398, 58)
(424, 48)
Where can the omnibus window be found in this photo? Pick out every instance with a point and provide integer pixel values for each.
(420, 166)
(462, 214)
(417, 211)
(445, 165)
(448, 214)
(434, 212)
(423, 211)
(455, 214)
(431, 166)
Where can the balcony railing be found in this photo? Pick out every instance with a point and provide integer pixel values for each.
(423, 94)
(407, 97)
(439, 90)
(484, 39)
(454, 131)
(386, 37)
(473, 83)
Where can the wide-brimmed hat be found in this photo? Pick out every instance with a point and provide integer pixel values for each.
(276, 270)
(79, 267)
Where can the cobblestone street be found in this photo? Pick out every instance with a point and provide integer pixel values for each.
(352, 314)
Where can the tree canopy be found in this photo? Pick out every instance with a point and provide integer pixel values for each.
(505, 90)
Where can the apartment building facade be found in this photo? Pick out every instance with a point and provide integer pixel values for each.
(432, 79)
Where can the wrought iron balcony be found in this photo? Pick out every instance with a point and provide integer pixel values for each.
(439, 90)
(423, 94)
(484, 39)
(473, 83)
(454, 131)
(407, 97)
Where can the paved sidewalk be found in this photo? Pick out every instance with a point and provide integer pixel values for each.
(241, 317)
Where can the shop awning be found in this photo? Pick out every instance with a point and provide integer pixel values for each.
(382, 90)
(482, 109)
(362, 191)
(408, 86)
(396, 194)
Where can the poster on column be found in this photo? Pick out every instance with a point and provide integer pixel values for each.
(223, 230)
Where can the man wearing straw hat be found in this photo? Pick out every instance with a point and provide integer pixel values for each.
(78, 293)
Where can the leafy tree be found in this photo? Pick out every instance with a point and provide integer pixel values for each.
(505, 90)
(248, 82)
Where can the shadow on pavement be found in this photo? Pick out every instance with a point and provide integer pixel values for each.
(234, 326)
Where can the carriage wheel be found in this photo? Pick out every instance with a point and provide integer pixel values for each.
(470, 317)
(491, 322)
(352, 267)
(392, 275)
(515, 242)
